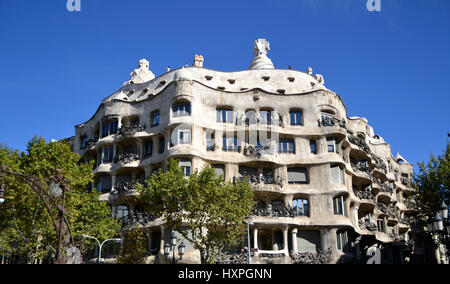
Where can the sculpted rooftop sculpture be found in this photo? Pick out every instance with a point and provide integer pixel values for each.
(142, 74)
(261, 61)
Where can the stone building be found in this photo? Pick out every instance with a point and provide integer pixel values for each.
(323, 181)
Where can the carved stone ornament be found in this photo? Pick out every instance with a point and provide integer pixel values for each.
(261, 61)
(142, 74)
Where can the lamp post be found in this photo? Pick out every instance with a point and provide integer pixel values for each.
(52, 193)
(248, 241)
(439, 229)
(172, 245)
(100, 260)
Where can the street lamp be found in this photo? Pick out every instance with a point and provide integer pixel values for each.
(443, 210)
(100, 260)
(439, 229)
(171, 246)
(248, 239)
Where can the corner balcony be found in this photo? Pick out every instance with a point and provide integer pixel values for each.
(137, 220)
(125, 158)
(330, 121)
(355, 140)
(367, 225)
(128, 131)
(365, 195)
(123, 190)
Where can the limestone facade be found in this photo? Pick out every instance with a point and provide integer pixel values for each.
(322, 180)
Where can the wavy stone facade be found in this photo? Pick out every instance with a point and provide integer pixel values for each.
(323, 181)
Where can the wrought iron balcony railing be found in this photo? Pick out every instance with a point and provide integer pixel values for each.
(125, 158)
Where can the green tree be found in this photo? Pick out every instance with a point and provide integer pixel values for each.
(207, 211)
(26, 227)
(432, 183)
(134, 248)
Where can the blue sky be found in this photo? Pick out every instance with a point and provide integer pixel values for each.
(391, 67)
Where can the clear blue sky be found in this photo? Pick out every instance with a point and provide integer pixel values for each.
(391, 67)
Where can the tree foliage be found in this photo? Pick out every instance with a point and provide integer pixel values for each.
(25, 223)
(134, 248)
(432, 182)
(207, 211)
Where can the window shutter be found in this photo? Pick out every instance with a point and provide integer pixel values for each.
(336, 174)
(297, 175)
(308, 241)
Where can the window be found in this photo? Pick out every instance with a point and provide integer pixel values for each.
(183, 136)
(122, 211)
(107, 154)
(230, 144)
(336, 174)
(224, 115)
(301, 207)
(342, 240)
(331, 144)
(161, 146)
(265, 117)
(83, 142)
(380, 223)
(185, 166)
(104, 184)
(286, 146)
(110, 128)
(298, 176)
(296, 118)
(181, 109)
(250, 117)
(339, 206)
(210, 140)
(155, 118)
(148, 149)
(220, 170)
(313, 147)
(328, 118)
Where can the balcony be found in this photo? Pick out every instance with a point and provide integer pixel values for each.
(260, 179)
(125, 158)
(330, 121)
(361, 167)
(368, 225)
(360, 143)
(258, 151)
(379, 164)
(405, 181)
(364, 194)
(127, 131)
(278, 210)
(137, 219)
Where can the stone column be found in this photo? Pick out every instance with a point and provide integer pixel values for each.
(285, 240)
(255, 238)
(294, 239)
